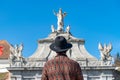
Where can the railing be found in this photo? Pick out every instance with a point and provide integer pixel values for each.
(40, 63)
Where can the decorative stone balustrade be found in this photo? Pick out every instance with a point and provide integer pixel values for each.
(39, 63)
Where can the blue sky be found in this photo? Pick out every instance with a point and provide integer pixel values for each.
(26, 21)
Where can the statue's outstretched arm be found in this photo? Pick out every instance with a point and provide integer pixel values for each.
(54, 13)
(64, 14)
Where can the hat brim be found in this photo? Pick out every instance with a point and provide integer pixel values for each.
(56, 49)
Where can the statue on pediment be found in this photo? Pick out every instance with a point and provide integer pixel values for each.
(68, 29)
(16, 52)
(52, 28)
(105, 52)
(60, 17)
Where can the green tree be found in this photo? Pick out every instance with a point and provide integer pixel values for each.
(118, 56)
(117, 60)
(117, 64)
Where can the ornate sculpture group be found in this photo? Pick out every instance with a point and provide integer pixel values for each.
(60, 22)
(105, 52)
(16, 54)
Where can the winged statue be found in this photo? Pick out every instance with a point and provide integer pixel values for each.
(105, 51)
(16, 52)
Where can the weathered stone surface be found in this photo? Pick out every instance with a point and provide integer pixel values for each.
(77, 52)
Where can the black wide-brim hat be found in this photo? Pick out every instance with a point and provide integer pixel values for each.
(60, 44)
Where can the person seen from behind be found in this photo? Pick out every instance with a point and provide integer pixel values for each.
(61, 67)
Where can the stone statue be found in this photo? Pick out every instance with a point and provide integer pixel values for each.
(19, 51)
(60, 17)
(16, 52)
(105, 52)
(52, 28)
(68, 29)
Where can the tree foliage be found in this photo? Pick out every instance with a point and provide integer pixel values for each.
(117, 60)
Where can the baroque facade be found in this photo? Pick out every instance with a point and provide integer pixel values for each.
(30, 68)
